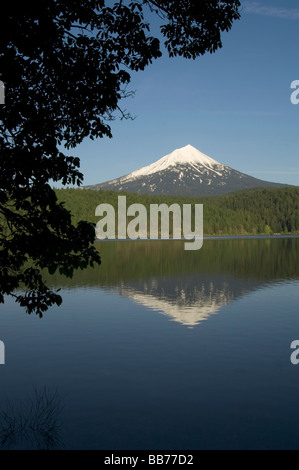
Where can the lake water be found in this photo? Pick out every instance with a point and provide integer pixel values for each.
(160, 348)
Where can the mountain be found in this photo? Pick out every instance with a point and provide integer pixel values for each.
(185, 172)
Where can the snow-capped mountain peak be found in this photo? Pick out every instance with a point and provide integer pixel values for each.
(182, 156)
(185, 171)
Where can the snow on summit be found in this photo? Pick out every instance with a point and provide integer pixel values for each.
(185, 155)
(184, 172)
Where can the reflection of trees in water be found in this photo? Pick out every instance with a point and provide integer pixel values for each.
(34, 424)
(264, 259)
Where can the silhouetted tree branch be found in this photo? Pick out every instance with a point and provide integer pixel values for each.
(65, 66)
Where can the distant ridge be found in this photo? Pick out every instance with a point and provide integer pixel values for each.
(187, 172)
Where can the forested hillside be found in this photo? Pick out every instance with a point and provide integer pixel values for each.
(256, 211)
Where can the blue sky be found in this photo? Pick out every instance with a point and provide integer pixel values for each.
(233, 105)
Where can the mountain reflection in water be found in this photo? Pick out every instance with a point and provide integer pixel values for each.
(160, 348)
(188, 301)
(187, 286)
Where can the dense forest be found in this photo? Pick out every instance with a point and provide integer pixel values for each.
(249, 212)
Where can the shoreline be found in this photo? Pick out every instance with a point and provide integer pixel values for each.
(205, 237)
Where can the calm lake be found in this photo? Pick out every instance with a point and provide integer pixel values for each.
(160, 348)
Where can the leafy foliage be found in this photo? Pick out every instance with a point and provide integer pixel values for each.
(65, 65)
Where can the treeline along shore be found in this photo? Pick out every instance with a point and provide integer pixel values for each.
(262, 211)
